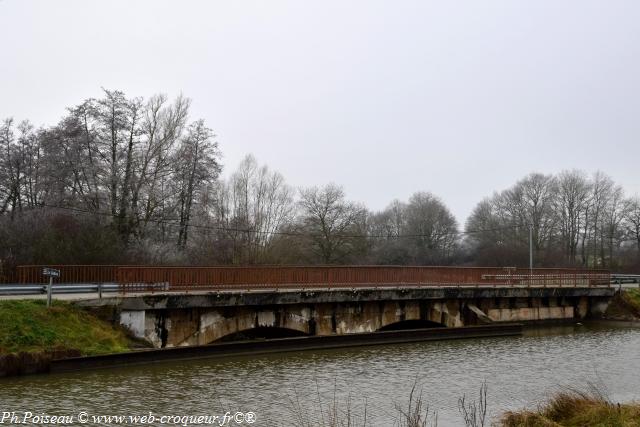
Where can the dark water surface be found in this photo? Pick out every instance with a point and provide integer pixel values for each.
(519, 371)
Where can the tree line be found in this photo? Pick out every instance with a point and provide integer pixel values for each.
(133, 180)
(575, 220)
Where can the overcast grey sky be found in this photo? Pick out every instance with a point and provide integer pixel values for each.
(386, 98)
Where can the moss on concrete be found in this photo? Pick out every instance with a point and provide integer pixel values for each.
(29, 326)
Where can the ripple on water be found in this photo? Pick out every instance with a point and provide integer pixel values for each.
(520, 372)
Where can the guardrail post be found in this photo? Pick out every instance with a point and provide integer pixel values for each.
(100, 290)
(49, 291)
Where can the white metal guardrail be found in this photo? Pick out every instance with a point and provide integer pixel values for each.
(76, 288)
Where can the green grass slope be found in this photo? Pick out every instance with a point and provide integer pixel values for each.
(29, 326)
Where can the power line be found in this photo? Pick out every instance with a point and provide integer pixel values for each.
(174, 222)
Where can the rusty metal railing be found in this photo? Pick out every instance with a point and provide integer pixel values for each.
(158, 278)
(69, 273)
(133, 279)
(8, 276)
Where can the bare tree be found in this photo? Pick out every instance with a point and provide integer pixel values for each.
(535, 199)
(30, 155)
(432, 228)
(632, 218)
(333, 224)
(112, 125)
(572, 201)
(612, 232)
(132, 135)
(253, 205)
(508, 215)
(10, 170)
(388, 247)
(593, 244)
(162, 126)
(486, 235)
(196, 164)
(584, 217)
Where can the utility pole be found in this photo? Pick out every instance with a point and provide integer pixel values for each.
(530, 248)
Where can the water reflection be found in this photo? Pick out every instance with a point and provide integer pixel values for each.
(520, 371)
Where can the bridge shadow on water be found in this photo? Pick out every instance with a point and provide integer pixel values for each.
(411, 324)
(261, 333)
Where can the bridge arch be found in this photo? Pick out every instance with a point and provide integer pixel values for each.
(247, 323)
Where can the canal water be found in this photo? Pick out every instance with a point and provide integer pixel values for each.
(278, 389)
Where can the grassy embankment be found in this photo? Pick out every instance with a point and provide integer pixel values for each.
(632, 296)
(29, 326)
(625, 305)
(576, 409)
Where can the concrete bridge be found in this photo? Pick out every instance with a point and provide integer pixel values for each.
(184, 306)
